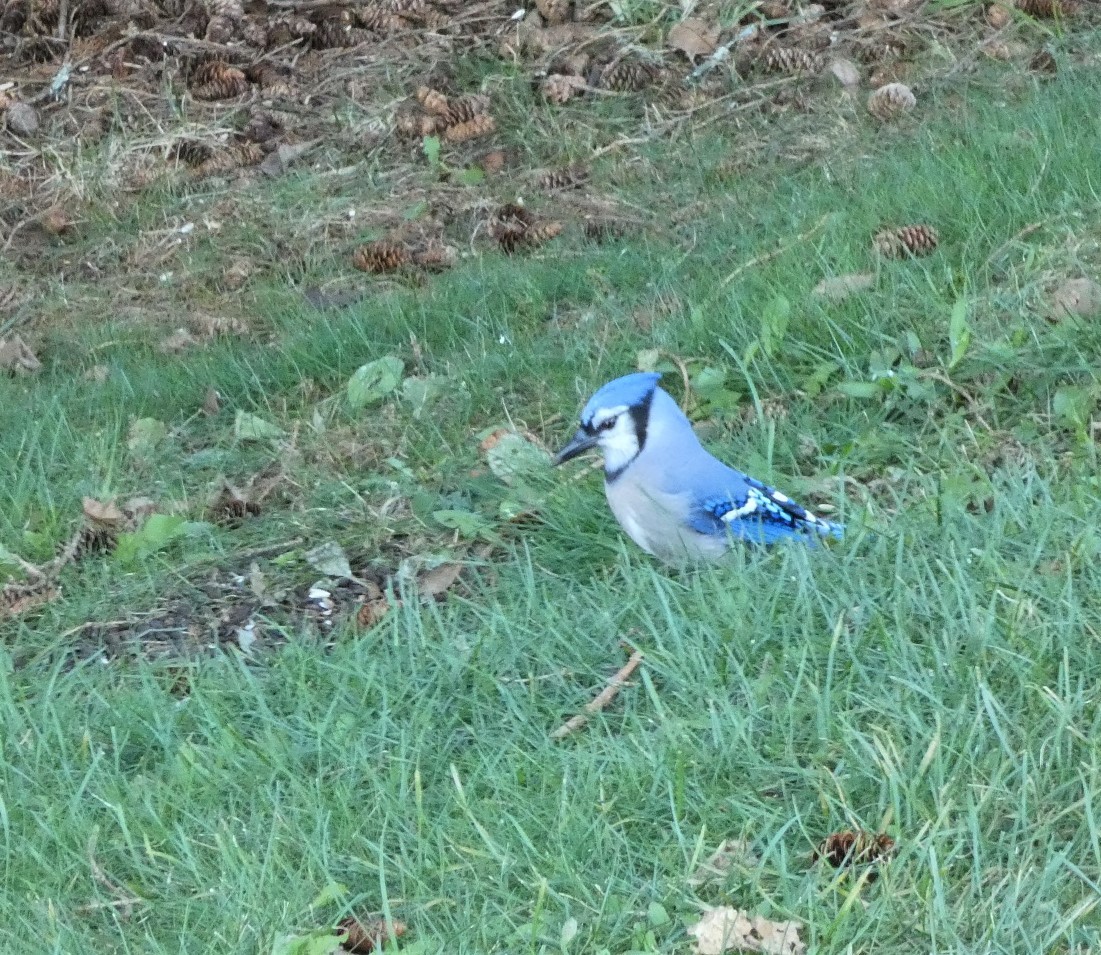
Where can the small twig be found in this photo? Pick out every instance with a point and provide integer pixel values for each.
(775, 253)
(602, 699)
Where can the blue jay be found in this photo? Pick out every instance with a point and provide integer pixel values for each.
(668, 493)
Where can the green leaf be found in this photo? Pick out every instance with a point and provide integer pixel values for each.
(374, 381)
(321, 941)
(648, 359)
(431, 147)
(331, 892)
(329, 559)
(250, 427)
(514, 457)
(657, 915)
(155, 534)
(959, 333)
(471, 176)
(860, 389)
(466, 523)
(145, 434)
(422, 390)
(774, 324)
(1074, 405)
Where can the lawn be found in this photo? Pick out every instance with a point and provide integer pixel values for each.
(209, 746)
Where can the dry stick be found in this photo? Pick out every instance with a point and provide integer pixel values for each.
(601, 700)
(769, 256)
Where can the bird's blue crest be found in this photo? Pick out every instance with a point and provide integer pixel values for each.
(630, 390)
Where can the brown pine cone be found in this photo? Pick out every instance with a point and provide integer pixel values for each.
(381, 256)
(472, 129)
(289, 28)
(380, 21)
(915, 240)
(849, 847)
(628, 76)
(273, 80)
(466, 109)
(435, 257)
(601, 229)
(433, 101)
(570, 177)
(235, 157)
(561, 88)
(792, 60)
(1049, 8)
(216, 79)
(193, 152)
(230, 9)
(220, 29)
(334, 28)
(553, 11)
(891, 101)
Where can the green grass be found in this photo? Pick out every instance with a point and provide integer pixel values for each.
(938, 680)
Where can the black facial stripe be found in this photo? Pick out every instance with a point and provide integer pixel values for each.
(641, 415)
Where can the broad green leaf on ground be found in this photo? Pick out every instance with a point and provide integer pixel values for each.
(144, 436)
(959, 333)
(319, 942)
(250, 427)
(467, 523)
(514, 457)
(329, 558)
(774, 324)
(374, 381)
(155, 534)
(1073, 405)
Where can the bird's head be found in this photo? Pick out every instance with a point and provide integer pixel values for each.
(615, 420)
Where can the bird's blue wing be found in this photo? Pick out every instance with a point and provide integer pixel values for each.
(755, 512)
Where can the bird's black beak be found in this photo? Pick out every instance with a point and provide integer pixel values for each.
(579, 443)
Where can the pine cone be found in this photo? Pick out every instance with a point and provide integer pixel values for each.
(262, 128)
(193, 152)
(569, 177)
(435, 257)
(379, 21)
(93, 538)
(273, 80)
(254, 33)
(220, 29)
(235, 157)
(891, 101)
(561, 88)
(230, 9)
(433, 101)
(466, 109)
(381, 256)
(1043, 61)
(1048, 8)
(628, 76)
(512, 215)
(287, 29)
(334, 28)
(998, 15)
(601, 230)
(792, 60)
(416, 125)
(553, 11)
(474, 128)
(915, 240)
(230, 507)
(216, 79)
(493, 161)
(857, 847)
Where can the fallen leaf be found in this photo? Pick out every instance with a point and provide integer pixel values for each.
(144, 436)
(514, 456)
(840, 287)
(693, 37)
(137, 509)
(726, 929)
(1080, 298)
(722, 860)
(367, 936)
(276, 163)
(846, 72)
(438, 580)
(17, 358)
(374, 381)
(329, 558)
(105, 514)
(250, 427)
(372, 611)
(158, 531)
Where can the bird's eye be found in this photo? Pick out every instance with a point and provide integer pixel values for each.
(607, 425)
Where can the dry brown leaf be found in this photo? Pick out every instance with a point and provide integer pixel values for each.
(1080, 298)
(103, 513)
(722, 860)
(439, 580)
(693, 37)
(845, 72)
(839, 287)
(368, 936)
(17, 358)
(372, 611)
(726, 929)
